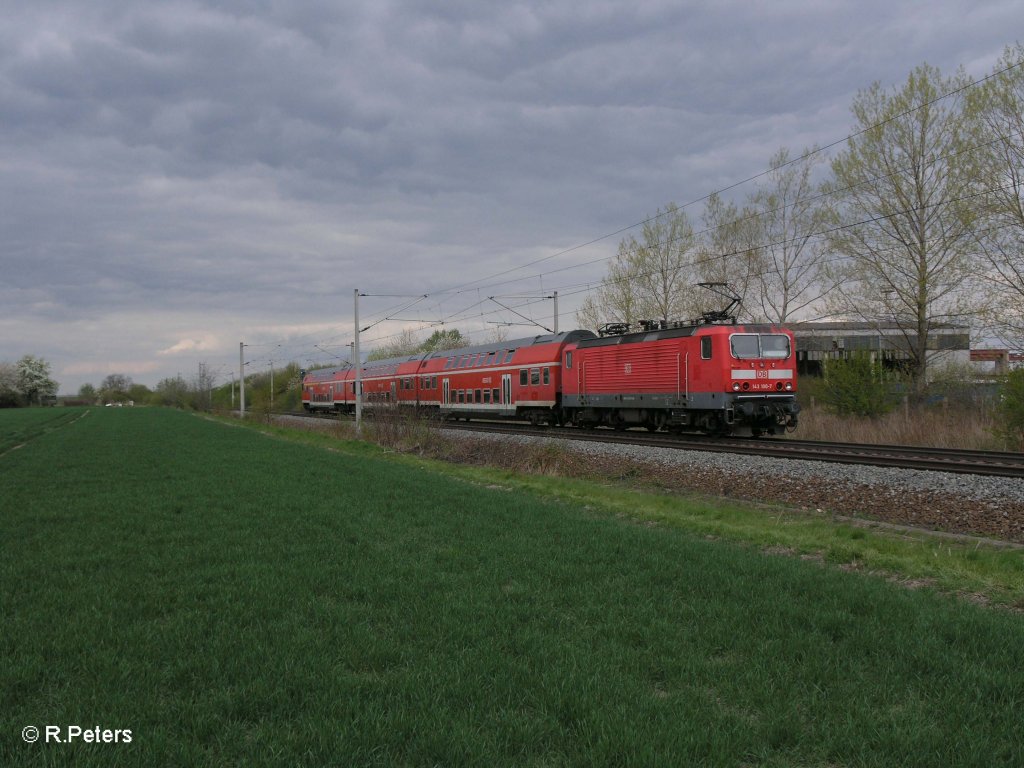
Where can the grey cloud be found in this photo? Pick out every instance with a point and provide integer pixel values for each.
(189, 164)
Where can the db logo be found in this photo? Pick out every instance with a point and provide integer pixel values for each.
(762, 374)
(629, 368)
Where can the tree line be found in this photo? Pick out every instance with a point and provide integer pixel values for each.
(918, 221)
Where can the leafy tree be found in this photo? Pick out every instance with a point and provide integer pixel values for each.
(857, 386)
(447, 338)
(87, 392)
(34, 380)
(115, 387)
(905, 184)
(172, 391)
(139, 393)
(404, 344)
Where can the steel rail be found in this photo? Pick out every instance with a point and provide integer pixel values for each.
(989, 463)
(996, 464)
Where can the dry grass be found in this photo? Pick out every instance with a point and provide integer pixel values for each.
(947, 425)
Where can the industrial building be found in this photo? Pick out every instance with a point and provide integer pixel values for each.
(888, 342)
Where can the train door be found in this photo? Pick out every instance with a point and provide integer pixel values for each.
(446, 396)
(394, 391)
(506, 390)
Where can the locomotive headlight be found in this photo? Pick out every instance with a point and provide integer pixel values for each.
(789, 386)
(735, 386)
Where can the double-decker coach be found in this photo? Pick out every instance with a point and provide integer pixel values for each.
(519, 378)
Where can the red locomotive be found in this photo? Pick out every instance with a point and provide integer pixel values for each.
(717, 379)
(707, 376)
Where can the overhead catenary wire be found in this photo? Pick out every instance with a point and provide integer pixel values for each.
(575, 289)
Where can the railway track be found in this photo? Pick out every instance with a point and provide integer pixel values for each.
(991, 463)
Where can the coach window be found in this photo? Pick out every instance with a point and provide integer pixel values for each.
(496, 395)
(487, 397)
(547, 376)
(705, 347)
(508, 355)
(449, 363)
(478, 399)
(523, 377)
(433, 382)
(535, 376)
(568, 359)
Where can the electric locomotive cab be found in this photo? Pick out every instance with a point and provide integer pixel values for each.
(761, 380)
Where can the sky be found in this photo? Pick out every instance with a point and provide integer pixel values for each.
(180, 177)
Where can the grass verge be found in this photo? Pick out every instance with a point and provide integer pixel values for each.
(972, 568)
(235, 600)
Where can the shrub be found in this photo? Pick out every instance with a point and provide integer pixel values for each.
(1010, 409)
(857, 386)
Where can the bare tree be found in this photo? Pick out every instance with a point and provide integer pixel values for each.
(790, 277)
(651, 278)
(496, 334)
(729, 252)
(998, 109)
(616, 299)
(906, 191)
(202, 388)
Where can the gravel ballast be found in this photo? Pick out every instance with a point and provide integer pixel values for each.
(955, 503)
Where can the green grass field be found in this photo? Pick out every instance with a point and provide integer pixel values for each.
(234, 598)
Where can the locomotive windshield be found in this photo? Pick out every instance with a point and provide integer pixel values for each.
(750, 345)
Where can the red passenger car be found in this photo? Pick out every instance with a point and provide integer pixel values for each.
(520, 378)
